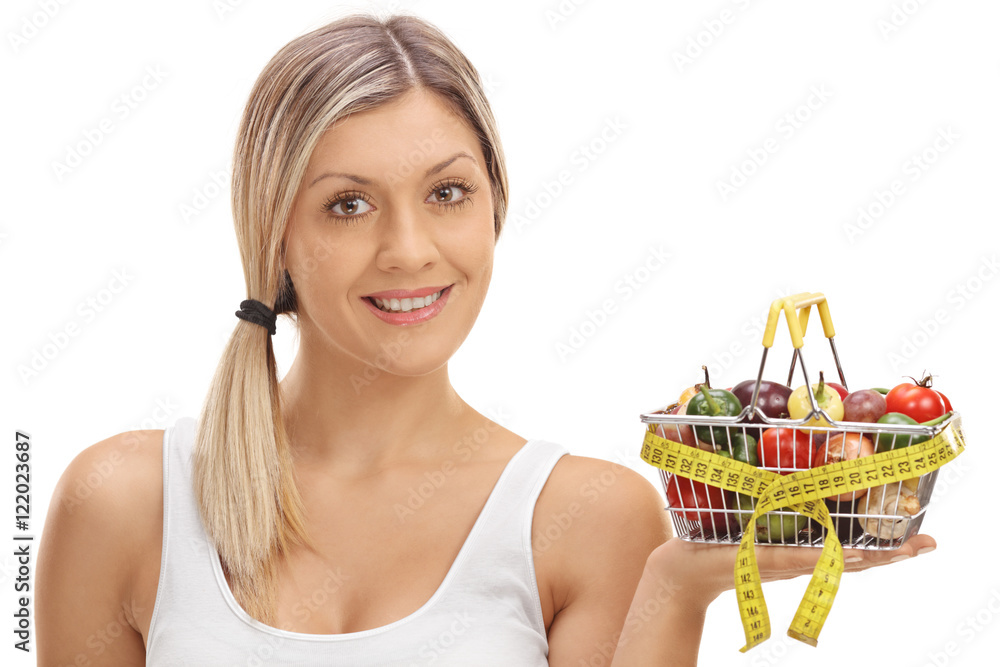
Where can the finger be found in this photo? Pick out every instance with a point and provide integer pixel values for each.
(862, 559)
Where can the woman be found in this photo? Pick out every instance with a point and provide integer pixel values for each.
(359, 511)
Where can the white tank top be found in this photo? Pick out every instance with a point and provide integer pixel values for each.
(486, 611)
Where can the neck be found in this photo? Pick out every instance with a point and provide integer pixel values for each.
(343, 413)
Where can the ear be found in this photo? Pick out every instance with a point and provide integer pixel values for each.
(286, 301)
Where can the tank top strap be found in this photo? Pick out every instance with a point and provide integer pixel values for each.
(498, 553)
(187, 580)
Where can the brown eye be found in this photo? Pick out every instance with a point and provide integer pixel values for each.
(449, 194)
(350, 207)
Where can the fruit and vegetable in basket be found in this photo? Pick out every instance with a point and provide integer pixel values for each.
(827, 399)
(864, 405)
(812, 444)
(891, 501)
(781, 526)
(785, 450)
(843, 447)
(697, 500)
(772, 400)
(714, 403)
(917, 400)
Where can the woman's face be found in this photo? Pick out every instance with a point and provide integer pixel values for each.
(390, 240)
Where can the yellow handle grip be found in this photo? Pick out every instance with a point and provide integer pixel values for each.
(803, 303)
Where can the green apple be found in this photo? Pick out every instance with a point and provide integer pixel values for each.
(772, 527)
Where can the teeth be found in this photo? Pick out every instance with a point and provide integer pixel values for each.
(406, 305)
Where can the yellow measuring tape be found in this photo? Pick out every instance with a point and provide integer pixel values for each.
(803, 492)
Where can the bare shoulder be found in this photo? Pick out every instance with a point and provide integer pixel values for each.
(595, 524)
(115, 485)
(105, 513)
(605, 493)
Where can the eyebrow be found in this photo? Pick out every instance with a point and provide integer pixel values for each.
(367, 181)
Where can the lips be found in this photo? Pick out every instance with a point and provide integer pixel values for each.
(403, 307)
(406, 304)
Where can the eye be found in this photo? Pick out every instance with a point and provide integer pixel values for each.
(350, 207)
(450, 193)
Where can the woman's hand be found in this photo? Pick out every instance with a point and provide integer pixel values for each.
(707, 569)
(681, 579)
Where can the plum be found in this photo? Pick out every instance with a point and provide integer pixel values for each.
(864, 405)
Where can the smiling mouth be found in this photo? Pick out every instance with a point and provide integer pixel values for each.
(405, 305)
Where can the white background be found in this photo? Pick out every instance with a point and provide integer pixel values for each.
(893, 74)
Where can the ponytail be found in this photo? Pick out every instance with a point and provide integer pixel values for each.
(243, 474)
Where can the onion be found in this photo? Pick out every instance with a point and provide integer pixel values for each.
(843, 447)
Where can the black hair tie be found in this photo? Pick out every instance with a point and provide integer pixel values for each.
(254, 311)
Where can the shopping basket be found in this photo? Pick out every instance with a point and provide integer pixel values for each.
(875, 508)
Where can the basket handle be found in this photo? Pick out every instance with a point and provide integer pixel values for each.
(800, 305)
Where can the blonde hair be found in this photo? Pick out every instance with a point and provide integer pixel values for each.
(243, 474)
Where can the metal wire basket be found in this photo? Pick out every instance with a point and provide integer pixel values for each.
(874, 517)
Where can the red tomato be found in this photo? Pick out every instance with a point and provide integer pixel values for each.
(947, 403)
(787, 448)
(690, 495)
(915, 401)
(841, 389)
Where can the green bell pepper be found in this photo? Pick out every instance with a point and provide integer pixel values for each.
(886, 441)
(744, 448)
(713, 403)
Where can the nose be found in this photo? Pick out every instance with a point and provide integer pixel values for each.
(407, 242)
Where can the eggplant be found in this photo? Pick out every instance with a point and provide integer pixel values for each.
(773, 400)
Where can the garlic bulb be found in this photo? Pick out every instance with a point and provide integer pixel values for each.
(894, 499)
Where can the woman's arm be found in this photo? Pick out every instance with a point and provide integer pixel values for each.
(627, 594)
(88, 551)
(595, 525)
(695, 575)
